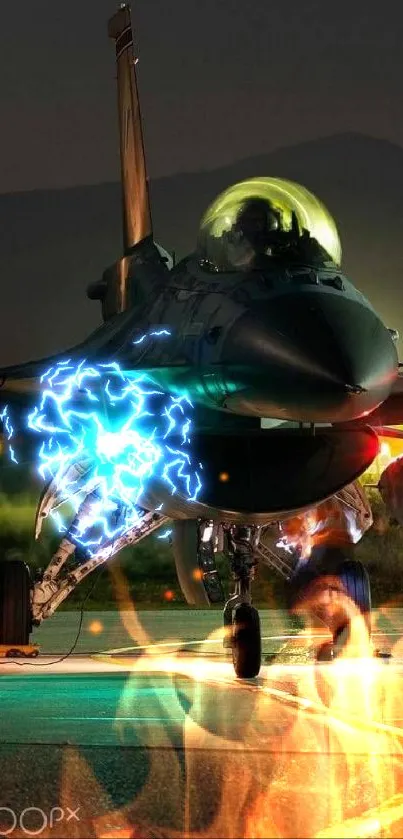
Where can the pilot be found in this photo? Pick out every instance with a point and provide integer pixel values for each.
(258, 236)
(259, 225)
(256, 231)
(257, 221)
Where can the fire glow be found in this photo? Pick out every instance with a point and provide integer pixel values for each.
(341, 521)
(307, 752)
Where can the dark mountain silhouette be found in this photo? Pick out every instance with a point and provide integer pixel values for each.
(53, 243)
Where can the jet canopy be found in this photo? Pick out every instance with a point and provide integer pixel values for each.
(263, 219)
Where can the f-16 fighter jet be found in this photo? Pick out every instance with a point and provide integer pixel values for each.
(231, 400)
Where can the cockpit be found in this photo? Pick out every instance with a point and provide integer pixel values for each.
(255, 224)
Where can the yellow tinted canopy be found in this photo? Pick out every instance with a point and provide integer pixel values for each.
(224, 244)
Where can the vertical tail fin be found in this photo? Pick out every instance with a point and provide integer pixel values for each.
(137, 224)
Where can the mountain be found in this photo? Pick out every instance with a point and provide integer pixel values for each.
(53, 243)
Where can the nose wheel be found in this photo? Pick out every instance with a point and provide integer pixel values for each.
(246, 641)
(241, 620)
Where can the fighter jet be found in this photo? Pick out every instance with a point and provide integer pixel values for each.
(229, 401)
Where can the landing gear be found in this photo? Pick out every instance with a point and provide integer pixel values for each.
(241, 619)
(357, 586)
(15, 603)
(57, 581)
(336, 590)
(246, 641)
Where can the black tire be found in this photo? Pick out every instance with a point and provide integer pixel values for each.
(15, 603)
(351, 578)
(246, 641)
(323, 561)
(356, 583)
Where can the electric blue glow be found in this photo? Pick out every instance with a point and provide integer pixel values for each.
(131, 432)
(8, 428)
(104, 435)
(165, 535)
(157, 332)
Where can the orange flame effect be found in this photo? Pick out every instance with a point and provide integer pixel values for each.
(390, 449)
(306, 751)
(331, 523)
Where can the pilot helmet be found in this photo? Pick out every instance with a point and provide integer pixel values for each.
(257, 218)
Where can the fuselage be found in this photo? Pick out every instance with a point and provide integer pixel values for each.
(290, 342)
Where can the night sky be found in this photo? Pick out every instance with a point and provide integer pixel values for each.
(219, 81)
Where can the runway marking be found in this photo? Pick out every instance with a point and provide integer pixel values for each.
(221, 675)
(181, 644)
(303, 704)
(167, 644)
(116, 719)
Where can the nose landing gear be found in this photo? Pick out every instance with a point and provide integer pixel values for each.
(241, 619)
(332, 588)
(246, 641)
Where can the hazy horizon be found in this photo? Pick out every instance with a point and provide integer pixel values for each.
(219, 167)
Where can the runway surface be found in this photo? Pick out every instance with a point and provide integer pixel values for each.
(152, 736)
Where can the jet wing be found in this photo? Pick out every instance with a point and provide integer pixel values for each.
(102, 346)
(126, 340)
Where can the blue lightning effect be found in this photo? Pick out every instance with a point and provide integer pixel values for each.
(158, 333)
(165, 535)
(129, 430)
(105, 435)
(9, 429)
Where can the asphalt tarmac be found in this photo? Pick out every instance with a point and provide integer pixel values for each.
(145, 732)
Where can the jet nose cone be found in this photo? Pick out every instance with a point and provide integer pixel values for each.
(355, 348)
(326, 357)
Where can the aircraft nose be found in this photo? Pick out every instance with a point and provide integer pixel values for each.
(319, 356)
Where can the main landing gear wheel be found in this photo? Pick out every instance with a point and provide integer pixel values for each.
(334, 591)
(356, 585)
(246, 641)
(15, 603)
